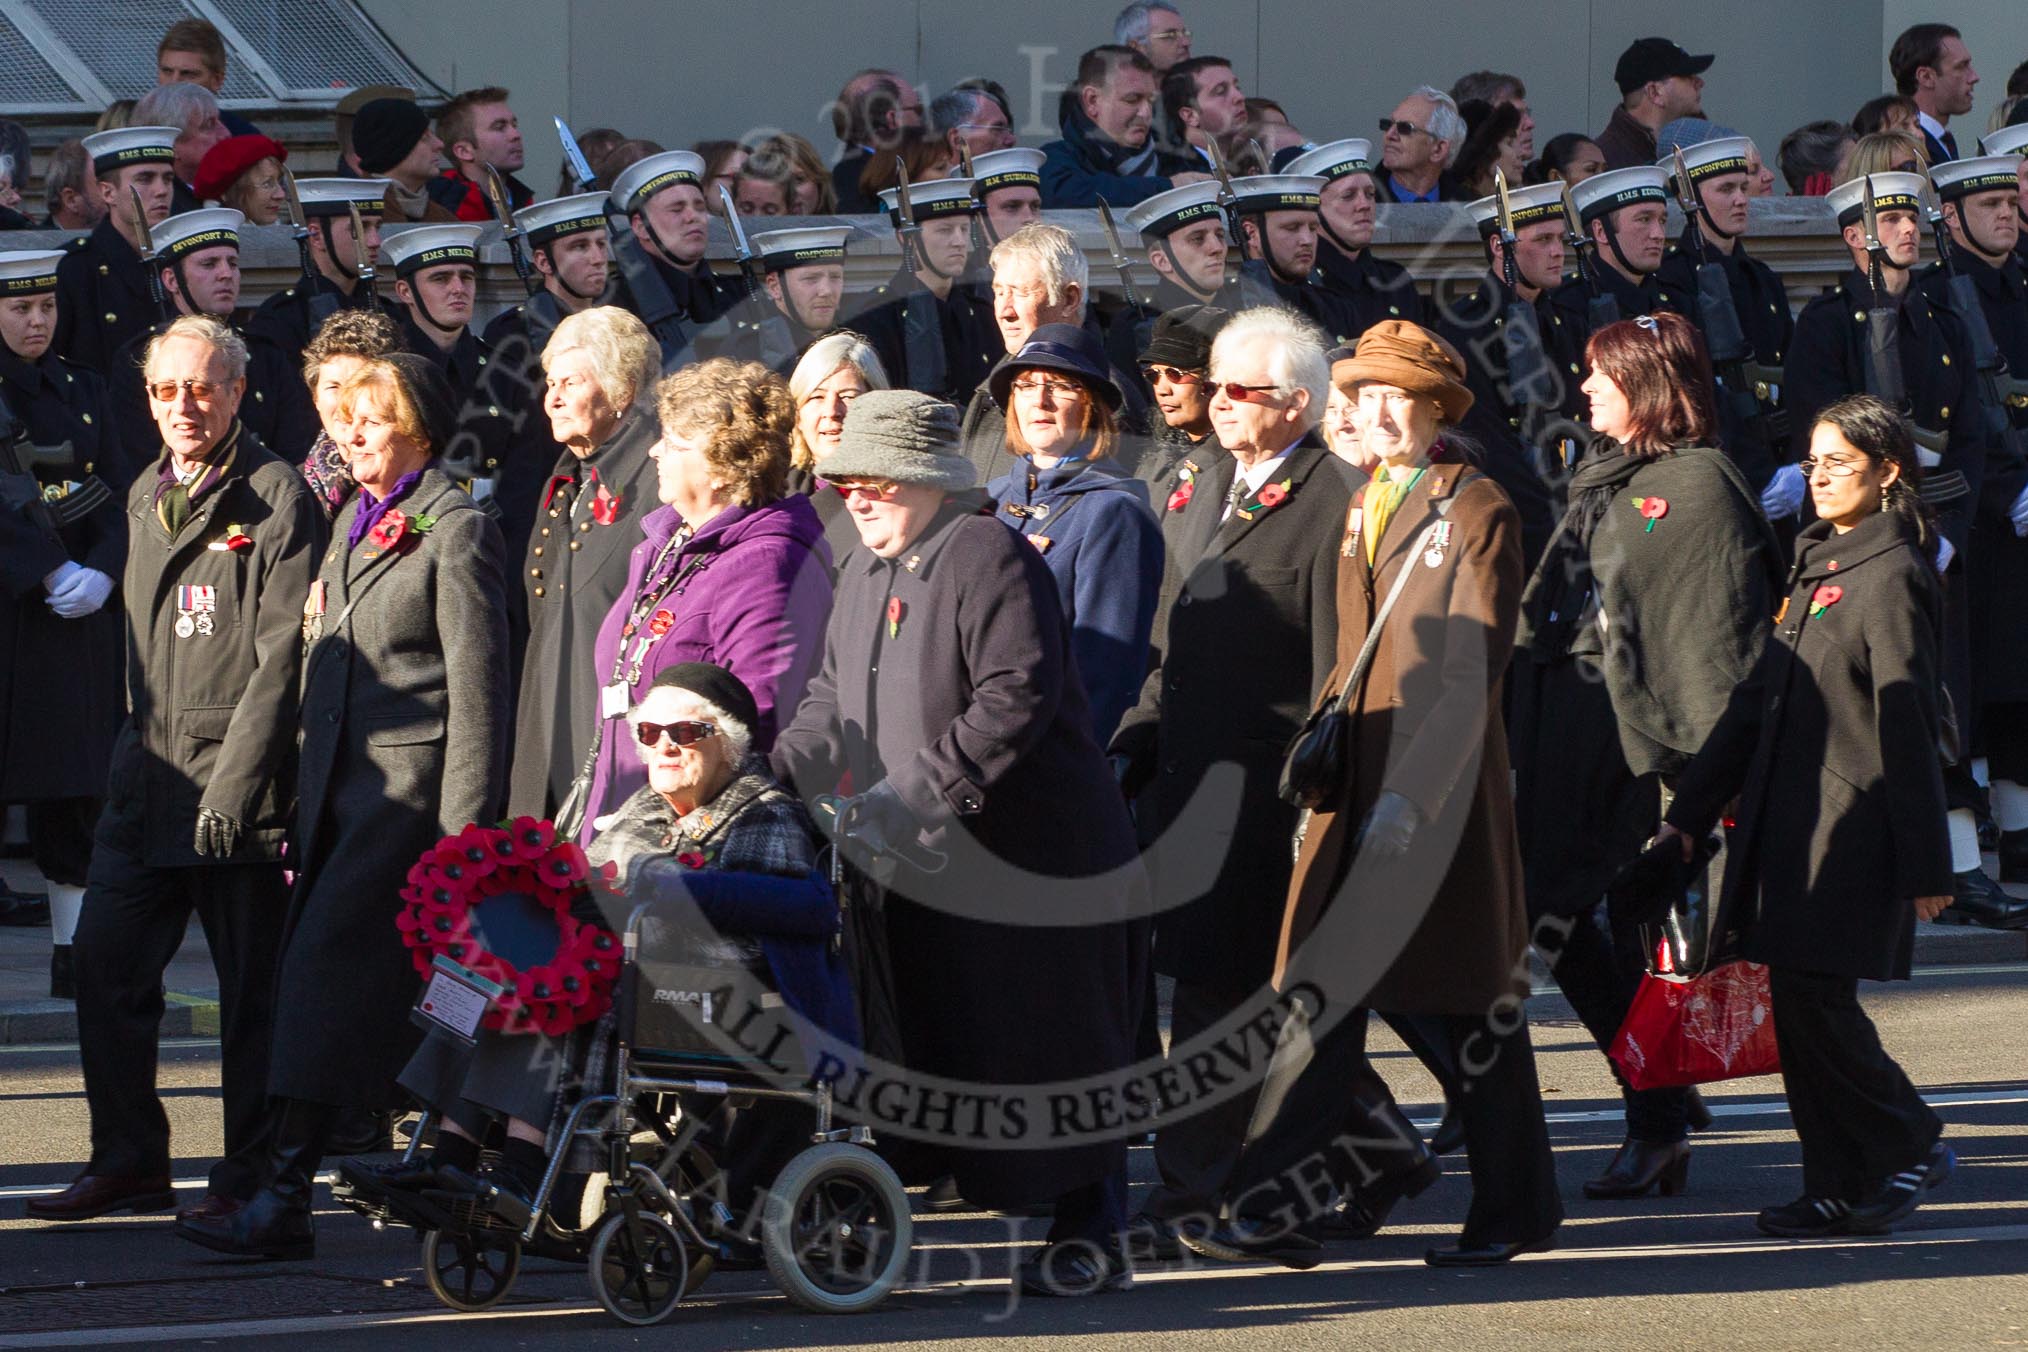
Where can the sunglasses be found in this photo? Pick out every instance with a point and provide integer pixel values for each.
(883, 490)
(202, 391)
(1244, 394)
(1175, 375)
(1401, 128)
(685, 733)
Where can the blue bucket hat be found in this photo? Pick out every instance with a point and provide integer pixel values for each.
(1068, 348)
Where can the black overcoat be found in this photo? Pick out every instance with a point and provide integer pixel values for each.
(1831, 747)
(285, 323)
(964, 332)
(1248, 635)
(102, 297)
(972, 710)
(404, 702)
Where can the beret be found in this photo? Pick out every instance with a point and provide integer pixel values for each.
(225, 162)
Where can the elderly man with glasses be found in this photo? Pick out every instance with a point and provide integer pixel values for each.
(1418, 141)
(224, 545)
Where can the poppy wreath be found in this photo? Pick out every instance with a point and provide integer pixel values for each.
(522, 857)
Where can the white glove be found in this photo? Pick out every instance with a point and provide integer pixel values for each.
(2018, 514)
(1945, 552)
(1783, 495)
(81, 594)
(60, 576)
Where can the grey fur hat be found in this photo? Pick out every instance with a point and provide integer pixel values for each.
(903, 436)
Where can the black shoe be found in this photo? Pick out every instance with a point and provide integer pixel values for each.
(1075, 1268)
(1450, 1133)
(23, 909)
(1486, 1255)
(1150, 1239)
(1805, 1218)
(362, 1131)
(1640, 1166)
(1978, 900)
(1899, 1195)
(943, 1195)
(1697, 1113)
(1241, 1240)
(275, 1224)
(2014, 856)
(62, 973)
(1366, 1209)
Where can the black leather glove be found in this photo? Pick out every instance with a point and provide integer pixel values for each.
(217, 834)
(879, 821)
(1389, 827)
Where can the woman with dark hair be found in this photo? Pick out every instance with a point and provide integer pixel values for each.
(1647, 609)
(1831, 749)
(1085, 514)
(1492, 141)
(1571, 158)
(347, 341)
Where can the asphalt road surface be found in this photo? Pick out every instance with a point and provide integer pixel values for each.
(1680, 1272)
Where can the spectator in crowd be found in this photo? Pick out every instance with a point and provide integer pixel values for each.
(784, 176)
(1888, 112)
(1570, 157)
(1419, 139)
(836, 370)
(11, 216)
(1812, 157)
(193, 52)
(70, 189)
(1177, 364)
(1340, 430)
(1154, 30)
(925, 157)
(119, 113)
(1839, 847)
(347, 342)
(1659, 82)
(1108, 148)
(623, 156)
(1500, 90)
(477, 127)
(193, 112)
(596, 143)
(198, 796)
(971, 118)
(1759, 178)
(1201, 102)
(1492, 142)
(868, 116)
(733, 571)
(103, 293)
(1887, 152)
(347, 113)
(722, 162)
(245, 173)
(1932, 66)
(392, 139)
(1069, 496)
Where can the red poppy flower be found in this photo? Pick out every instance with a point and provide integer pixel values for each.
(895, 611)
(531, 838)
(239, 542)
(606, 507)
(564, 866)
(1180, 499)
(1272, 494)
(660, 623)
(388, 529)
(1654, 509)
(691, 859)
(1824, 597)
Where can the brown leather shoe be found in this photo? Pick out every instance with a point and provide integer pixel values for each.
(95, 1195)
(214, 1206)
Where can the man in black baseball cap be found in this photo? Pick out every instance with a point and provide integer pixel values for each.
(1659, 82)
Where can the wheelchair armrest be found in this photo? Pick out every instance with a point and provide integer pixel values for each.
(760, 904)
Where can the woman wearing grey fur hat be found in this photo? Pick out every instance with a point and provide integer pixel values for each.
(948, 694)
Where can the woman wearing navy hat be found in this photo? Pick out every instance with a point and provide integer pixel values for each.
(1087, 516)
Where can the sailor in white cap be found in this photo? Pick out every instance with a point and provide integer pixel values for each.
(287, 320)
(662, 197)
(934, 332)
(1008, 186)
(804, 278)
(2013, 140)
(1372, 288)
(105, 298)
(1624, 214)
(1833, 357)
(63, 534)
(1183, 230)
(436, 283)
(1276, 215)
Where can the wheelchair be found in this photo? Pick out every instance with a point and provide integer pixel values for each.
(834, 1226)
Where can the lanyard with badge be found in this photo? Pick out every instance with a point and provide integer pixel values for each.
(647, 621)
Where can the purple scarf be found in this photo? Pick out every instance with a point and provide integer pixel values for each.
(371, 509)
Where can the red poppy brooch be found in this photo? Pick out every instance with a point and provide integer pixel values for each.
(895, 611)
(1824, 597)
(1267, 499)
(1652, 508)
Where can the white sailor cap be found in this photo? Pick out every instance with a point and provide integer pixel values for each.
(1334, 160)
(645, 177)
(1988, 173)
(1165, 213)
(931, 199)
(29, 272)
(560, 216)
(207, 228)
(1709, 159)
(335, 196)
(126, 146)
(1276, 192)
(1895, 190)
(1018, 167)
(1533, 204)
(1616, 188)
(2007, 141)
(781, 250)
(430, 246)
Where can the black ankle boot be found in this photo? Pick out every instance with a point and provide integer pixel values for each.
(275, 1222)
(1641, 1165)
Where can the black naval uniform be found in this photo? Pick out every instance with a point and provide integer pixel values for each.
(514, 339)
(486, 420)
(1367, 289)
(936, 345)
(1760, 445)
(61, 699)
(102, 298)
(1259, 284)
(285, 323)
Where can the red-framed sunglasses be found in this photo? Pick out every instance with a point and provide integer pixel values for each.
(1244, 394)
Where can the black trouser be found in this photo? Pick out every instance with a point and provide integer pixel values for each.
(2005, 738)
(60, 837)
(1096, 1212)
(1300, 1152)
(1858, 1118)
(1599, 965)
(134, 919)
(1195, 1151)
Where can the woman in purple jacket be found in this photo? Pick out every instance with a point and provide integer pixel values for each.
(734, 570)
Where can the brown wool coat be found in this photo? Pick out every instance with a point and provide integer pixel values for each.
(1443, 929)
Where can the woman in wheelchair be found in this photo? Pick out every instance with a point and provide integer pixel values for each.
(710, 807)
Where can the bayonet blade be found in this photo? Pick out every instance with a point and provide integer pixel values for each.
(362, 261)
(965, 159)
(901, 201)
(145, 243)
(580, 167)
(732, 221)
(298, 222)
(1871, 213)
(1506, 206)
(496, 193)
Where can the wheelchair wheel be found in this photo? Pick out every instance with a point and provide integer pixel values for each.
(638, 1282)
(836, 1229)
(469, 1272)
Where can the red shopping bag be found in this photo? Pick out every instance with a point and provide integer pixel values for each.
(1693, 1030)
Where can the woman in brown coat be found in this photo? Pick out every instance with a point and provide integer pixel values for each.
(1407, 891)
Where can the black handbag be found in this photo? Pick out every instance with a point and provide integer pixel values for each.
(1319, 759)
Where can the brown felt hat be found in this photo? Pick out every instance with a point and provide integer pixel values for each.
(1396, 352)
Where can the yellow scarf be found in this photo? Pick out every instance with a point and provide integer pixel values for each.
(1380, 507)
